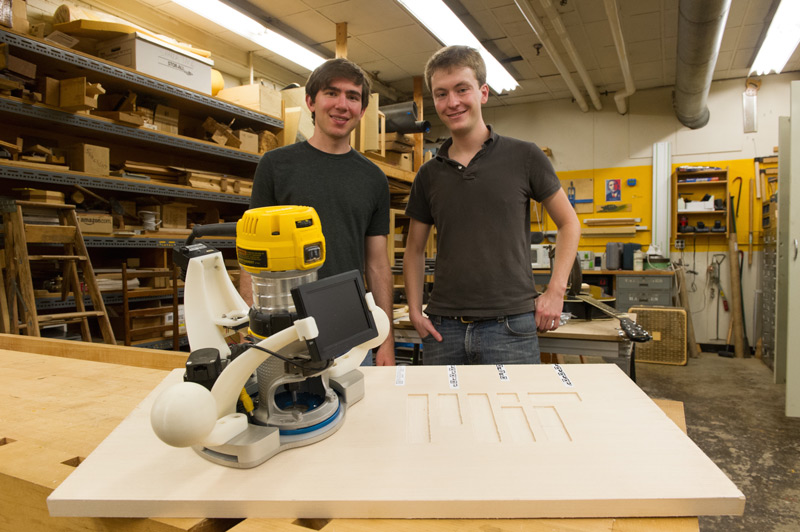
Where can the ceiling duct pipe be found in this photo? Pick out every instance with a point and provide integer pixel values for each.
(621, 96)
(402, 118)
(538, 28)
(561, 31)
(700, 27)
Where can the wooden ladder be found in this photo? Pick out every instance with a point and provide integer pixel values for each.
(74, 258)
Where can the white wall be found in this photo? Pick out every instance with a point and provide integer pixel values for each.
(605, 139)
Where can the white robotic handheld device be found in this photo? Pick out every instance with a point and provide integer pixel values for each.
(293, 386)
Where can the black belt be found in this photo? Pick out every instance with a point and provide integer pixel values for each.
(474, 319)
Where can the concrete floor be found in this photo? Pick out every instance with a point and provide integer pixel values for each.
(735, 414)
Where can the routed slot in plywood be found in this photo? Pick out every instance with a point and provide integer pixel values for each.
(598, 447)
(419, 427)
(518, 424)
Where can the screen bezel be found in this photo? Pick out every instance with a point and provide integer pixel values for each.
(308, 298)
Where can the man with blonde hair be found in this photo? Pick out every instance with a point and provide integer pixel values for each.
(477, 190)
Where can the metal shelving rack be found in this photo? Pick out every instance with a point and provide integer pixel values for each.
(105, 71)
(69, 63)
(51, 115)
(8, 171)
(109, 298)
(93, 241)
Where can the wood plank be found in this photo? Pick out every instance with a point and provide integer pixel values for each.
(120, 355)
(57, 257)
(40, 166)
(468, 525)
(121, 116)
(610, 221)
(47, 318)
(392, 171)
(609, 231)
(54, 413)
(51, 234)
(565, 430)
(5, 324)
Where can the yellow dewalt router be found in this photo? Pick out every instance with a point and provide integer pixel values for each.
(295, 384)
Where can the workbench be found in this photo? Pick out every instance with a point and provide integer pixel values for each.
(630, 288)
(601, 337)
(45, 433)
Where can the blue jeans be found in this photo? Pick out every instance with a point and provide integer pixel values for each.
(368, 360)
(508, 340)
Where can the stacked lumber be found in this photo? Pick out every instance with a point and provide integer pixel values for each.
(217, 182)
(201, 179)
(154, 172)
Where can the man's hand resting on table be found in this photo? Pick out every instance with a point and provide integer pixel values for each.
(548, 310)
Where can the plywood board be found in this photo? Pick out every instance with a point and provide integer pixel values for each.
(465, 442)
(584, 193)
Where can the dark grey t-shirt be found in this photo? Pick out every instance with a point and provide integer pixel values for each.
(482, 215)
(350, 194)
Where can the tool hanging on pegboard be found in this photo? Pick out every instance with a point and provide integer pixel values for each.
(714, 283)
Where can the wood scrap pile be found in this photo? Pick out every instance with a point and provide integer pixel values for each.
(245, 139)
(217, 182)
(221, 134)
(35, 156)
(201, 179)
(15, 73)
(399, 191)
(398, 142)
(121, 108)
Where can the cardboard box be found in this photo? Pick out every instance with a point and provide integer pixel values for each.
(159, 59)
(258, 97)
(173, 215)
(95, 223)
(168, 318)
(401, 160)
(249, 140)
(166, 119)
(90, 159)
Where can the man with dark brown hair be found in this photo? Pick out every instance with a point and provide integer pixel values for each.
(350, 193)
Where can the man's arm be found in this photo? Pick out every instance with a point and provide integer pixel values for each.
(379, 282)
(414, 277)
(549, 304)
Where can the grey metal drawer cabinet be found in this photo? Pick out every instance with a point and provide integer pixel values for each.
(643, 290)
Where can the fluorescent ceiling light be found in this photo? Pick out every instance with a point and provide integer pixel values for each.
(781, 40)
(447, 27)
(252, 30)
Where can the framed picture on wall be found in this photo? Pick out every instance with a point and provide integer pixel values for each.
(613, 190)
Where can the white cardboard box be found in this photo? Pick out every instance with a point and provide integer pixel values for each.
(159, 59)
